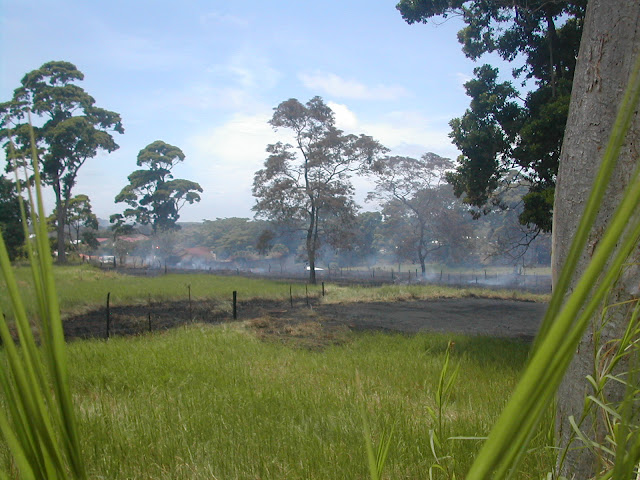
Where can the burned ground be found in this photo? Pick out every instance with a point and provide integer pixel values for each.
(319, 324)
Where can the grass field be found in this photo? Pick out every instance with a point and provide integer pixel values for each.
(82, 287)
(208, 401)
(215, 402)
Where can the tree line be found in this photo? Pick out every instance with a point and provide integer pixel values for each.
(572, 60)
(53, 116)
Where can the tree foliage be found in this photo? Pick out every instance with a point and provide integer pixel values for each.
(420, 212)
(153, 195)
(71, 131)
(308, 185)
(79, 216)
(11, 226)
(504, 129)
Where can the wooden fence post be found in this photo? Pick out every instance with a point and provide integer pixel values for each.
(235, 305)
(190, 310)
(108, 313)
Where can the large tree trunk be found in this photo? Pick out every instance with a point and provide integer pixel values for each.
(610, 45)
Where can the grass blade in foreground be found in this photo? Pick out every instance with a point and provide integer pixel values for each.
(42, 433)
(561, 332)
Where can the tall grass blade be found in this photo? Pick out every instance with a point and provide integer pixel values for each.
(42, 434)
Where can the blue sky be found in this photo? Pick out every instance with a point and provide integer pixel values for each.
(205, 76)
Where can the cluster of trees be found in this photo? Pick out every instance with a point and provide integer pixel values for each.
(308, 186)
(512, 137)
(68, 129)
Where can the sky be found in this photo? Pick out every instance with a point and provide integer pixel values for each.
(206, 75)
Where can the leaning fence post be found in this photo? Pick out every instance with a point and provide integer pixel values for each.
(108, 313)
(235, 305)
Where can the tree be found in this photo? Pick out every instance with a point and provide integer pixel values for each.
(73, 130)
(11, 226)
(609, 47)
(154, 196)
(502, 131)
(265, 242)
(79, 216)
(308, 184)
(418, 205)
(366, 239)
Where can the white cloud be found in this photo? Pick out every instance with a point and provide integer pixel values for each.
(248, 69)
(334, 85)
(403, 132)
(224, 159)
(345, 118)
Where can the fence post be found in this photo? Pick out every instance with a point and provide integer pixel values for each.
(306, 292)
(149, 312)
(291, 294)
(323, 289)
(235, 305)
(190, 310)
(108, 313)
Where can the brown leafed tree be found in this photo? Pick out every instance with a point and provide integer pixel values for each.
(308, 184)
(421, 213)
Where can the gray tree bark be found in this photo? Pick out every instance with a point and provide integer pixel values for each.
(610, 45)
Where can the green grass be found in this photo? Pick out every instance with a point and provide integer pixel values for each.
(394, 293)
(84, 287)
(81, 287)
(215, 402)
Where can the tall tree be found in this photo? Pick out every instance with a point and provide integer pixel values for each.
(72, 130)
(418, 205)
(11, 227)
(501, 130)
(610, 46)
(153, 195)
(309, 184)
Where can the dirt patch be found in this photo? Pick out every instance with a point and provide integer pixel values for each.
(319, 325)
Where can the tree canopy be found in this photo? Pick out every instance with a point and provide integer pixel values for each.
(153, 195)
(11, 227)
(505, 128)
(308, 184)
(420, 212)
(71, 129)
(79, 216)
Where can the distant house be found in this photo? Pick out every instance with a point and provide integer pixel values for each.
(134, 238)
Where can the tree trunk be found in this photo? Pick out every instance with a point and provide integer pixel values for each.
(62, 213)
(610, 44)
(311, 248)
